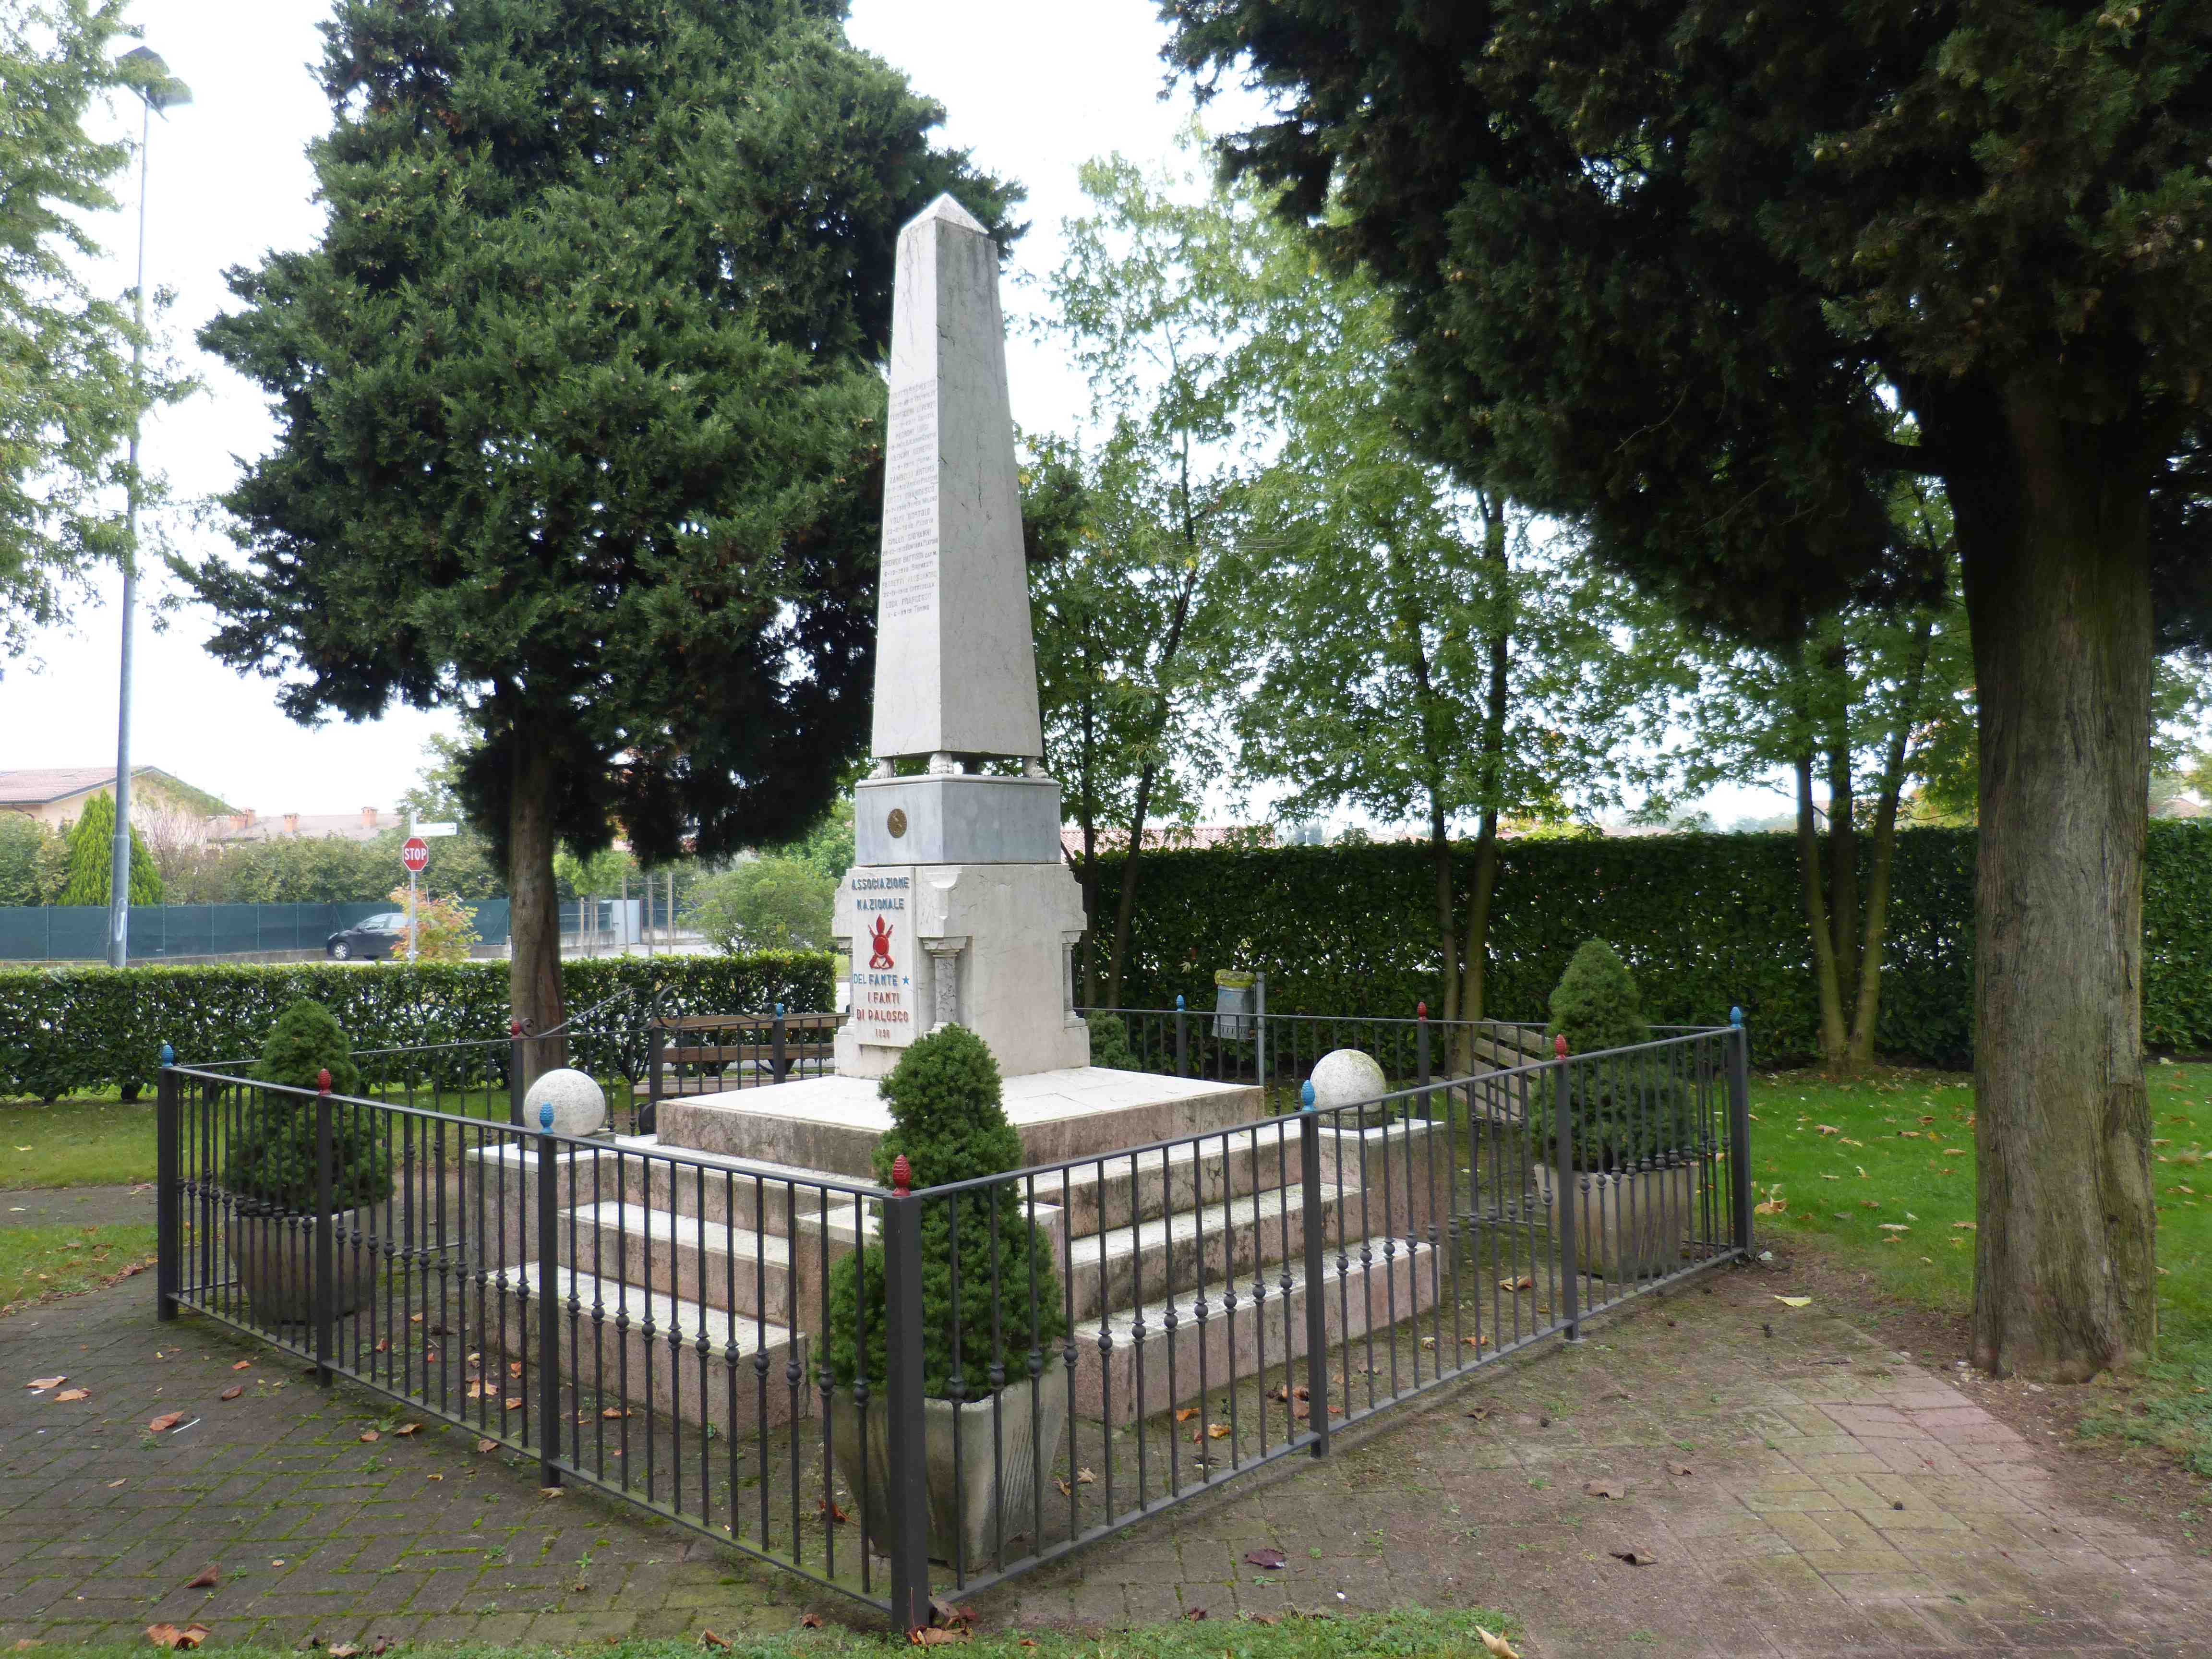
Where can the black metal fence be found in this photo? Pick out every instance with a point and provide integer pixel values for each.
(895, 1392)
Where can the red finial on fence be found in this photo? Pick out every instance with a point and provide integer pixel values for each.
(1559, 1047)
(514, 1028)
(323, 1081)
(902, 1176)
(1420, 1010)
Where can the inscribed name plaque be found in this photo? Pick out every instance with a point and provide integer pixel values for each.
(884, 953)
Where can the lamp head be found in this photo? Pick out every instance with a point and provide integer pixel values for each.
(147, 74)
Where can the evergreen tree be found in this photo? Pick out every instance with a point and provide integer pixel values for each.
(579, 429)
(1679, 268)
(92, 859)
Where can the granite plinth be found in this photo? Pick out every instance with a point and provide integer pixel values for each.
(833, 1123)
(957, 819)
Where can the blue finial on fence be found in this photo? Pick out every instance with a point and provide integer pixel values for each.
(1306, 1096)
(1178, 1002)
(778, 1011)
(169, 1056)
(1735, 1015)
(545, 1116)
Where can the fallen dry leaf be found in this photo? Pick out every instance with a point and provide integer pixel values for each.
(1084, 1478)
(1217, 1432)
(514, 1368)
(343, 1650)
(112, 1485)
(1636, 1555)
(1795, 1301)
(45, 1381)
(369, 1437)
(407, 1429)
(837, 1516)
(232, 1392)
(433, 1477)
(809, 1621)
(1524, 1283)
(1195, 1614)
(1606, 1489)
(931, 1636)
(74, 1393)
(1497, 1646)
(209, 1577)
(1828, 1128)
(165, 1422)
(243, 1365)
(168, 1636)
(1678, 1468)
(513, 1402)
(1264, 1618)
(1189, 1412)
(487, 1445)
(708, 1639)
(613, 1414)
(1273, 1559)
(949, 1615)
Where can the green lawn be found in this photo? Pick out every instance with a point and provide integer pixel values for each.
(1884, 1167)
(36, 1262)
(76, 1142)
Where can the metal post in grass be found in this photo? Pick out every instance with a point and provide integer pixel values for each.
(325, 1244)
(1739, 1152)
(906, 1482)
(548, 1301)
(777, 1065)
(1421, 1054)
(656, 1059)
(1563, 1189)
(167, 1149)
(1183, 1037)
(514, 1083)
(1316, 1295)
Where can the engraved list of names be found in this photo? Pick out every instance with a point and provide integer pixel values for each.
(910, 520)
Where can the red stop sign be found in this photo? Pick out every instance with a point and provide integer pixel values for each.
(416, 854)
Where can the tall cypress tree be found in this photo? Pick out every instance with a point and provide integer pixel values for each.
(579, 427)
(92, 859)
(1715, 278)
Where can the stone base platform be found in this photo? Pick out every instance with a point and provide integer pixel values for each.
(832, 1123)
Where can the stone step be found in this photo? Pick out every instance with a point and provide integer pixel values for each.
(610, 1361)
(740, 1191)
(1148, 1365)
(1116, 1269)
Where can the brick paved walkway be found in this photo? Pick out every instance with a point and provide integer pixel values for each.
(1784, 1538)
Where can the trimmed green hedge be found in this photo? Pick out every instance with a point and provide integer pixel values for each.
(67, 1029)
(1705, 921)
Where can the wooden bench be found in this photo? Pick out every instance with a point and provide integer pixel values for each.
(690, 1055)
(1504, 1049)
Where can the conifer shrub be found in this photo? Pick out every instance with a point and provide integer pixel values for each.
(1109, 1043)
(271, 1154)
(948, 1118)
(1623, 1113)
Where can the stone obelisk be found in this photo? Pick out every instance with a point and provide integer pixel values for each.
(959, 909)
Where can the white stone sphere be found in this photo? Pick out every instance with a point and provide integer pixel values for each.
(1345, 1077)
(580, 1105)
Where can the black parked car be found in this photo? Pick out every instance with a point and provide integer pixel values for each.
(369, 939)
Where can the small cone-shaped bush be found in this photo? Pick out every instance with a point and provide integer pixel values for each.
(1594, 1005)
(949, 1120)
(271, 1154)
(92, 859)
(1109, 1043)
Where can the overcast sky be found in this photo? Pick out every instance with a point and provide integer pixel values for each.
(1033, 89)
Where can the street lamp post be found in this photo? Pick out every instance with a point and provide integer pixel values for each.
(157, 89)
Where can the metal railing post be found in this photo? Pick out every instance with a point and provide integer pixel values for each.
(515, 1086)
(1421, 1055)
(167, 1206)
(656, 1059)
(906, 1488)
(1316, 1292)
(1562, 1185)
(1739, 1152)
(325, 1244)
(548, 1302)
(1259, 1031)
(1183, 1037)
(777, 1064)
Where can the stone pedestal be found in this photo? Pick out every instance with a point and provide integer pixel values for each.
(984, 945)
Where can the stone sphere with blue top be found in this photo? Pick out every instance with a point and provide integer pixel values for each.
(578, 1106)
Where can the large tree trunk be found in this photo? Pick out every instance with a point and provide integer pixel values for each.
(1472, 990)
(533, 970)
(2053, 540)
(1842, 829)
(1496, 696)
(1833, 1039)
(1867, 1010)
